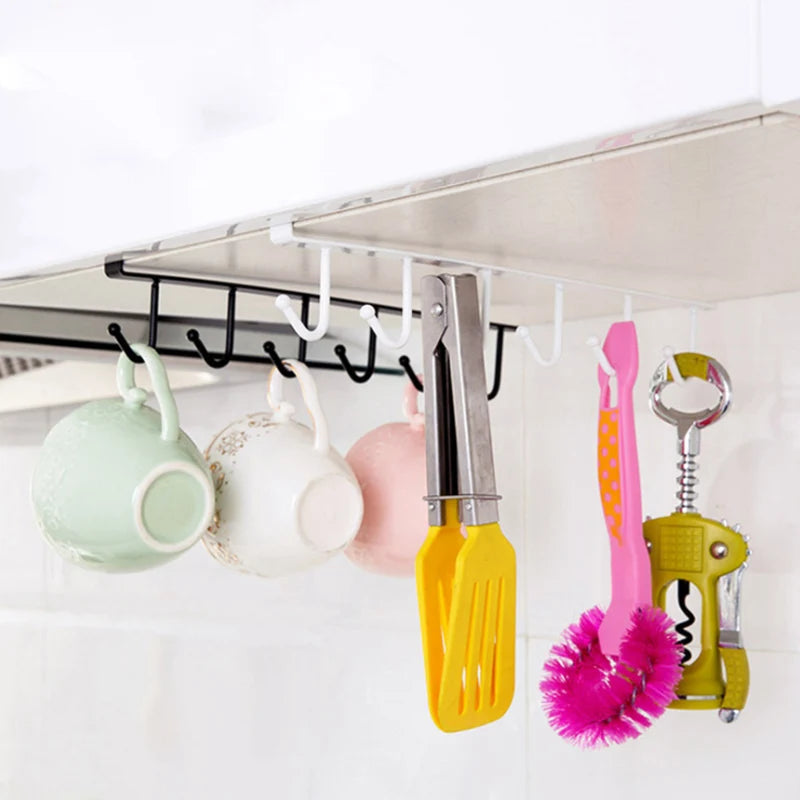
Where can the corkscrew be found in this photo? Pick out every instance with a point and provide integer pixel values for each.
(701, 553)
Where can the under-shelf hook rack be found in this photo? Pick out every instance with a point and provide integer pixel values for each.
(284, 233)
(117, 268)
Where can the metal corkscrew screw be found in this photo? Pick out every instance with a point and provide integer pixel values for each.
(689, 448)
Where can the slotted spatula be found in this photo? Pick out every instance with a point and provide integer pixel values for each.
(466, 585)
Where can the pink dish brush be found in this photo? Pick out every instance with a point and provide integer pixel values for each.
(613, 673)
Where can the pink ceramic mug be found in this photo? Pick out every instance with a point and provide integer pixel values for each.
(389, 464)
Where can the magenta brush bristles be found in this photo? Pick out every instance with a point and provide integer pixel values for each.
(595, 701)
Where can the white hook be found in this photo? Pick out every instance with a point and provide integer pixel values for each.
(599, 354)
(594, 343)
(283, 302)
(486, 300)
(627, 308)
(368, 314)
(669, 355)
(558, 323)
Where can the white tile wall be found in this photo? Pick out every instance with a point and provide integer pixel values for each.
(194, 681)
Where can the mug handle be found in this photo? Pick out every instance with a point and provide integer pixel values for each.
(170, 429)
(310, 398)
(411, 406)
(133, 395)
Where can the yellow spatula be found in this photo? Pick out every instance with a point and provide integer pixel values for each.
(466, 585)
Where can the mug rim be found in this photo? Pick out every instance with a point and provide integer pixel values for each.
(143, 487)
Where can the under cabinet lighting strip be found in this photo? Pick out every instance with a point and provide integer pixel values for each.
(285, 234)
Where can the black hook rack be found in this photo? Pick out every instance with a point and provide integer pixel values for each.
(116, 268)
(405, 363)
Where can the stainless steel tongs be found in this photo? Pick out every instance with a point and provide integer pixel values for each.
(466, 585)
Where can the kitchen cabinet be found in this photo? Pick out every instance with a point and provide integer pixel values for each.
(317, 101)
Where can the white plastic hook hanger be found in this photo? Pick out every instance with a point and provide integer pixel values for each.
(486, 300)
(599, 354)
(627, 308)
(284, 303)
(368, 314)
(594, 343)
(669, 353)
(558, 324)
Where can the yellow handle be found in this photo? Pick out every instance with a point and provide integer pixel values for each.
(737, 677)
(466, 588)
(435, 573)
(682, 547)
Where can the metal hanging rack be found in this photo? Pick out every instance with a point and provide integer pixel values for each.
(116, 269)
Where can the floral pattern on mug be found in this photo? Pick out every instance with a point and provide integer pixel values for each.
(232, 442)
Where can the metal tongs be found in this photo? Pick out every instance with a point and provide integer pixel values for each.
(466, 585)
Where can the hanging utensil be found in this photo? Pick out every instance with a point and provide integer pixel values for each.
(701, 553)
(611, 675)
(466, 585)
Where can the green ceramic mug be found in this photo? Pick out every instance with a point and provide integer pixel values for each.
(119, 487)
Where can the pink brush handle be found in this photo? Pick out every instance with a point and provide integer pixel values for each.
(620, 490)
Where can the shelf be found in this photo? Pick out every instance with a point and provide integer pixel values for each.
(703, 216)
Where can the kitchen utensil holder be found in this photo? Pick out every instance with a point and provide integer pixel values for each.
(116, 269)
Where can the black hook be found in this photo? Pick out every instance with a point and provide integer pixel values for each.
(369, 370)
(217, 362)
(277, 361)
(405, 363)
(115, 330)
(302, 344)
(498, 364)
(152, 332)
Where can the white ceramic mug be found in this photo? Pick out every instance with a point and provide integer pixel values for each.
(286, 500)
